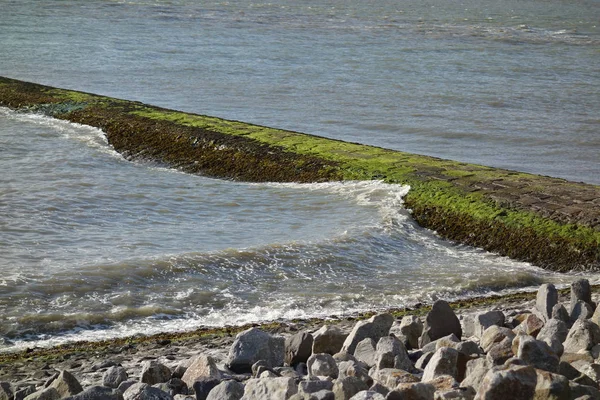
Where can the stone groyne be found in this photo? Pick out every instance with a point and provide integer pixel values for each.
(550, 222)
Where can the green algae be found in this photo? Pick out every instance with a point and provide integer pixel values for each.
(472, 204)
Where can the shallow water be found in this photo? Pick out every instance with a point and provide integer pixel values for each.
(94, 246)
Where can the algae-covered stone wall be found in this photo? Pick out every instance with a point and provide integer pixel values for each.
(550, 222)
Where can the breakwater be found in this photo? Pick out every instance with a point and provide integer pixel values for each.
(550, 222)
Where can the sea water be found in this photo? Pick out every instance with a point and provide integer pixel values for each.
(94, 246)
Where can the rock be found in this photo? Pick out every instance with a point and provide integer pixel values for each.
(20, 394)
(538, 354)
(143, 391)
(345, 388)
(475, 372)
(202, 366)
(500, 352)
(6, 391)
(113, 376)
(123, 386)
(484, 320)
(531, 326)
(578, 391)
(391, 353)
(391, 377)
(554, 333)
(551, 386)
(412, 391)
(494, 334)
(313, 386)
(373, 328)
(515, 383)
(424, 360)
(269, 388)
(48, 393)
(440, 321)
(443, 362)
(583, 335)
(253, 345)
(365, 352)
(98, 393)
(298, 348)
(174, 386)
(353, 368)
(203, 386)
(227, 390)
(322, 365)
(154, 372)
(66, 384)
(581, 310)
(560, 312)
(580, 290)
(446, 341)
(368, 395)
(411, 328)
(546, 299)
(328, 339)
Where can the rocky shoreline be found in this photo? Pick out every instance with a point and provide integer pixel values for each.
(544, 345)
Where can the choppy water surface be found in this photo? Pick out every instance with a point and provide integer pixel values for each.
(94, 246)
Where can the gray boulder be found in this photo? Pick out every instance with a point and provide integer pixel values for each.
(48, 393)
(6, 391)
(202, 366)
(581, 310)
(538, 354)
(365, 352)
(443, 362)
(440, 321)
(554, 333)
(253, 345)
(143, 391)
(98, 393)
(560, 312)
(113, 376)
(583, 335)
(66, 384)
(298, 348)
(500, 352)
(392, 377)
(227, 390)
(203, 386)
(580, 290)
(515, 383)
(475, 371)
(551, 386)
(306, 388)
(391, 353)
(322, 365)
(484, 320)
(412, 391)
(546, 299)
(373, 328)
(368, 395)
(494, 334)
(154, 372)
(328, 339)
(270, 388)
(346, 387)
(411, 328)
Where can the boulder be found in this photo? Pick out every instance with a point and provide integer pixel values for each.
(48, 393)
(583, 335)
(391, 353)
(500, 352)
(154, 372)
(313, 386)
(6, 391)
(443, 362)
(551, 386)
(202, 366)
(514, 383)
(373, 328)
(365, 352)
(391, 377)
(226, 390)
(269, 388)
(346, 387)
(203, 386)
(424, 360)
(484, 320)
(538, 354)
(494, 334)
(113, 376)
(322, 365)
(328, 339)
(253, 345)
(411, 328)
(98, 393)
(475, 372)
(446, 341)
(368, 395)
(357, 369)
(554, 333)
(560, 312)
(66, 384)
(143, 391)
(580, 290)
(532, 325)
(581, 310)
(412, 391)
(440, 321)
(298, 348)
(546, 299)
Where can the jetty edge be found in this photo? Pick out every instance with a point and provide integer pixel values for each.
(550, 222)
